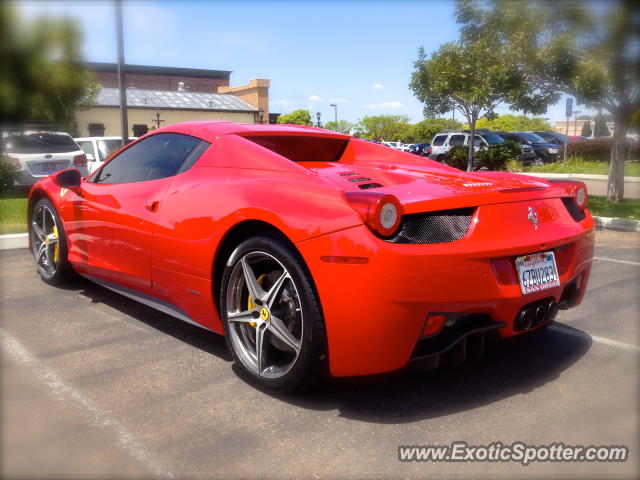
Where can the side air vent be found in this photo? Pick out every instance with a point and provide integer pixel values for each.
(350, 174)
(434, 227)
(577, 214)
(359, 179)
(367, 186)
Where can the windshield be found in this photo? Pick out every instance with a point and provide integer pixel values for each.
(105, 147)
(493, 139)
(532, 137)
(39, 143)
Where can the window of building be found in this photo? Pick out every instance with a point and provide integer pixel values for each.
(96, 130)
(140, 130)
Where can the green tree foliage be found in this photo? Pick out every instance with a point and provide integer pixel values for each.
(571, 47)
(297, 117)
(586, 129)
(42, 79)
(343, 126)
(498, 157)
(457, 157)
(600, 128)
(390, 128)
(7, 174)
(424, 131)
(513, 123)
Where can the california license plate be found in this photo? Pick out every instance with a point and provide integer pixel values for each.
(537, 272)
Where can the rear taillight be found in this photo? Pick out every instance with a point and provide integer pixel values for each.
(15, 163)
(576, 190)
(80, 160)
(428, 151)
(382, 213)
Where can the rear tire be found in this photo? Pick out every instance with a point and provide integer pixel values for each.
(271, 315)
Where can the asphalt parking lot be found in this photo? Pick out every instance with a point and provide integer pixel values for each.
(95, 385)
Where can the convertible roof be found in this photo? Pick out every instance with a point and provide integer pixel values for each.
(218, 128)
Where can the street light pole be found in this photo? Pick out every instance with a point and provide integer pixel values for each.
(318, 117)
(124, 122)
(336, 115)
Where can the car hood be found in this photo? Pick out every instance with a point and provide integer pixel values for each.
(428, 189)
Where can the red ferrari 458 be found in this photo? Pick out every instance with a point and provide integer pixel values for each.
(315, 252)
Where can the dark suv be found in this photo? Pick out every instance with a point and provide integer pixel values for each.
(493, 138)
(545, 152)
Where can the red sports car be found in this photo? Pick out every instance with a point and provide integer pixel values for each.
(313, 251)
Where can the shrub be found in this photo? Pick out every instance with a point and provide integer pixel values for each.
(496, 157)
(7, 174)
(597, 149)
(458, 157)
(514, 165)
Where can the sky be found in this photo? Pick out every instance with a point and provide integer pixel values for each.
(356, 54)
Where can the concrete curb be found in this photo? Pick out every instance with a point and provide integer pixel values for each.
(619, 224)
(13, 241)
(579, 176)
(21, 240)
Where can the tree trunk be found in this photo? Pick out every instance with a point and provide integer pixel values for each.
(615, 187)
(472, 150)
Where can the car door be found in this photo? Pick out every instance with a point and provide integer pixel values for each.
(110, 236)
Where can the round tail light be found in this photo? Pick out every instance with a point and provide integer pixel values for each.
(382, 213)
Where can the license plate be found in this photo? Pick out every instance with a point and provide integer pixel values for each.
(48, 168)
(537, 272)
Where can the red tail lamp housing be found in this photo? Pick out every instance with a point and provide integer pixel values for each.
(381, 212)
(576, 190)
(80, 160)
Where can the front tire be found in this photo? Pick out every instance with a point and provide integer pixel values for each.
(271, 315)
(49, 244)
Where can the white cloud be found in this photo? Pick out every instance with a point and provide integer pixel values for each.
(383, 105)
(379, 86)
(338, 100)
(282, 102)
(315, 98)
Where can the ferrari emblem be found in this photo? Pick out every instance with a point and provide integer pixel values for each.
(533, 218)
(264, 314)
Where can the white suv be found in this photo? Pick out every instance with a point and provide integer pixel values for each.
(38, 154)
(99, 148)
(442, 143)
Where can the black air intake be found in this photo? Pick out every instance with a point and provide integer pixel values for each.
(570, 204)
(434, 227)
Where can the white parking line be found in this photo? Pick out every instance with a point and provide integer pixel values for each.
(605, 341)
(627, 262)
(128, 442)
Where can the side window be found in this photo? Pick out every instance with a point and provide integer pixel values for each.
(456, 140)
(87, 147)
(155, 157)
(478, 141)
(438, 140)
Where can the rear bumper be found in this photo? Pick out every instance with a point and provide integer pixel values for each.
(375, 312)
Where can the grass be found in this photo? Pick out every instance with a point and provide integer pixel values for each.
(577, 165)
(13, 212)
(628, 208)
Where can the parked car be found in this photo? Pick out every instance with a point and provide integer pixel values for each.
(545, 152)
(375, 260)
(419, 149)
(576, 138)
(527, 157)
(98, 149)
(35, 154)
(553, 137)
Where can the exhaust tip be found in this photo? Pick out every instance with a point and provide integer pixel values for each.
(552, 311)
(526, 318)
(541, 314)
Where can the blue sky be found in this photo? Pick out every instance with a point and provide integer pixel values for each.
(356, 54)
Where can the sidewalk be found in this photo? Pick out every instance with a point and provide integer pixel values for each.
(596, 184)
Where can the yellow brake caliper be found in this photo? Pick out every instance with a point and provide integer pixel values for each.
(56, 248)
(252, 305)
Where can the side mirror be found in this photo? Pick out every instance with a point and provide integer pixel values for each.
(70, 178)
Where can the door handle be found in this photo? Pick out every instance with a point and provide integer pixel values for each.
(152, 206)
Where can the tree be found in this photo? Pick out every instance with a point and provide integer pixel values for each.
(390, 128)
(297, 117)
(424, 131)
(574, 48)
(513, 123)
(473, 75)
(343, 126)
(42, 78)
(600, 128)
(586, 129)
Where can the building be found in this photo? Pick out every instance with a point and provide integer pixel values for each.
(575, 126)
(159, 96)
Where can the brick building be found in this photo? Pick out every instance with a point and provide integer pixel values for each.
(166, 95)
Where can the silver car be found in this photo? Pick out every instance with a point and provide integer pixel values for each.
(38, 154)
(98, 149)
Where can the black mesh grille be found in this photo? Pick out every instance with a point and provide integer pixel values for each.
(350, 174)
(434, 227)
(359, 179)
(577, 214)
(366, 186)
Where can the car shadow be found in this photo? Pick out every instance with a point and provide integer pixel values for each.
(197, 337)
(508, 367)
